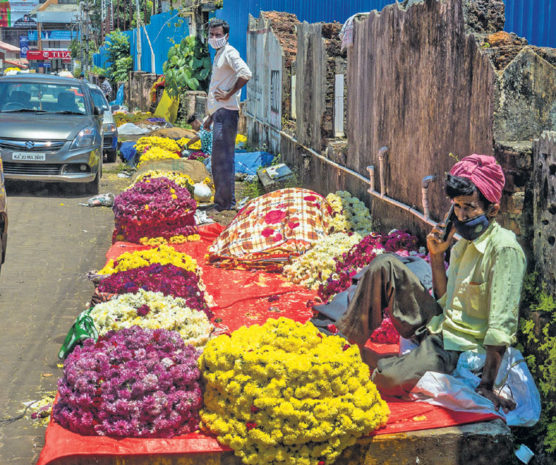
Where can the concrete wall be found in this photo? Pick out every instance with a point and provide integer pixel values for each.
(418, 84)
(140, 84)
(265, 58)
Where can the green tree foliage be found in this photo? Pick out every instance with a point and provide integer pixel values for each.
(117, 46)
(188, 67)
(537, 341)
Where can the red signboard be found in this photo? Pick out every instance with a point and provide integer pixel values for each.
(48, 54)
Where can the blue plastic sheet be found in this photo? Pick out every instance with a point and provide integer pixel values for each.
(119, 96)
(249, 162)
(127, 149)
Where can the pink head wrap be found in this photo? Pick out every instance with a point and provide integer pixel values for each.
(484, 172)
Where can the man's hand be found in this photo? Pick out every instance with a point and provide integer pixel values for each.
(207, 123)
(498, 401)
(220, 95)
(435, 244)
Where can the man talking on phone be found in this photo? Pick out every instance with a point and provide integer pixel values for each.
(476, 300)
(229, 74)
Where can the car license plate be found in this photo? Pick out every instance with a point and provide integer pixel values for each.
(25, 156)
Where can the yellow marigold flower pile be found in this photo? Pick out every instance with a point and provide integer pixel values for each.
(155, 154)
(181, 179)
(179, 239)
(314, 267)
(164, 255)
(145, 143)
(184, 141)
(283, 393)
(351, 214)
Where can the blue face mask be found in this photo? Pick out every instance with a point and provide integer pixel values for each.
(473, 228)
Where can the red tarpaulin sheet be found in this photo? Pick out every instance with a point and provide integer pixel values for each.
(241, 298)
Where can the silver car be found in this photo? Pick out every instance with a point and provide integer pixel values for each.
(50, 130)
(108, 124)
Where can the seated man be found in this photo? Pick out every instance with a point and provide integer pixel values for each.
(478, 300)
(204, 135)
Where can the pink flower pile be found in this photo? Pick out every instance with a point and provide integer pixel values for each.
(131, 383)
(361, 255)
(168, 279)
(155, 207)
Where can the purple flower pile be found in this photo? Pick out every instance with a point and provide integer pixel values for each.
(200, 156)
(156, 207)
(131, 383)
(361, 255)
(168, 279)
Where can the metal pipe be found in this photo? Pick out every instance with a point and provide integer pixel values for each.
(381, 159)
(425, 195)
(355, 174)
(371, 170)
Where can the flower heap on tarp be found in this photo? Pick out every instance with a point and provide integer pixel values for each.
(351, 213)
(153, 310)
(314, 267)
(361, 255)
(181, 179)
(163, 255)
(285, 393)
(155, 208)
(168, 279)
(131, 383)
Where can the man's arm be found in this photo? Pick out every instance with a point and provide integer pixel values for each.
(222, 95)
(494, 356)
(192, 141)
(437, 248)
(505, 280)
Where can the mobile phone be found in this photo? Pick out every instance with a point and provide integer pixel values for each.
(449, 222)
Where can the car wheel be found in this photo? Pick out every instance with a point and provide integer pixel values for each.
(92, 188)
(111, 156)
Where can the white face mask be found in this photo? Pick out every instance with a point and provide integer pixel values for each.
(219, 42)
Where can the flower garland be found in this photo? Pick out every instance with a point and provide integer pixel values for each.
(168, 279)
(156, 154)
(154, 208)
(351, 213)
(313, 268)
(285, 393)
(146, 143)
(131, 383)
(163, 255)
(152, 310)
(361, 255)
(179, 239)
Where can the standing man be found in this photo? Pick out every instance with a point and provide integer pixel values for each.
(105, 87)
(478, 298)
(229, 74)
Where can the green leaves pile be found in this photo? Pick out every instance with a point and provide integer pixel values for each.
(188, 67)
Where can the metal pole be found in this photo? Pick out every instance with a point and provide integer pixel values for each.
(139, 54)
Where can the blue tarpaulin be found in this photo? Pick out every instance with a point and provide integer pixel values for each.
(127, 149)
(249, 162)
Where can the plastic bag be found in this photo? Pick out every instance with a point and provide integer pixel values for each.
(83, 328)
(101, 200)
(167, 108)
(202, 192)
(457, 391)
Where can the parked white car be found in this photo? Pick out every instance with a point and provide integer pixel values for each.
(108, 125)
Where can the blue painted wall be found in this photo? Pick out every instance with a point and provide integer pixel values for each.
(533, 19)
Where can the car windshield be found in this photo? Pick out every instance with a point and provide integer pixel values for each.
(41, 98)
(99, 100)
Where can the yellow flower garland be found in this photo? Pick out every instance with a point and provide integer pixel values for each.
(282, 393)
(351, 214)
(180, 239)
(164, 255)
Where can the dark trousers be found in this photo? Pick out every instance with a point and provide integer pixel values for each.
(224, 132)
(388, 283)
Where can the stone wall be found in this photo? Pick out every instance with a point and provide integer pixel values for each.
(138, 96)
(544, 209)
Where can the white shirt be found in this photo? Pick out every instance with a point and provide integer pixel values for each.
(227, 68)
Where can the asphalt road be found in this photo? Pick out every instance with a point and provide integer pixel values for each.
(53, 241)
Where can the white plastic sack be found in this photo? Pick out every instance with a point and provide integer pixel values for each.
(457, 391)
(202, 192)
(131, 129)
